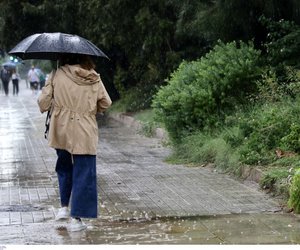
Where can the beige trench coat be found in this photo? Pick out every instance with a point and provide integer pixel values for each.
(78, 94)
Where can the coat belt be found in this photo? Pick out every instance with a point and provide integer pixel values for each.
(91, 113)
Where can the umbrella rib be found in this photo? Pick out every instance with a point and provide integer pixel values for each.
(31, 44)
(95, 49)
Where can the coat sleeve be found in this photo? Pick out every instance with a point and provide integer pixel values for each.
(104, 100)
(45, 98)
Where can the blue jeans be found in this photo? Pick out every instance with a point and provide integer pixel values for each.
(77, 181)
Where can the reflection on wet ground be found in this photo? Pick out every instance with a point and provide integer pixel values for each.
(224, 229)
(229, 229)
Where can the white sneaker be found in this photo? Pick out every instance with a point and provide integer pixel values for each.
(76, 225)
(63, 214)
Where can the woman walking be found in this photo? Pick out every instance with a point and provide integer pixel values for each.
(75, 93)
(15, 82)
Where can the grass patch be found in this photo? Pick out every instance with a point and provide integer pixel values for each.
(117, 107)
(147, 119)
(200, 148)
(276, 180)
(144, 115)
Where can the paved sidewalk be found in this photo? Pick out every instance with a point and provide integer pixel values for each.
(134, 182)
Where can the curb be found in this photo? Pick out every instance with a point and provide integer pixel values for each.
(247, 173)
(251, 174)
(129, 121)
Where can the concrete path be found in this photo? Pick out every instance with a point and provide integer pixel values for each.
(141, 197)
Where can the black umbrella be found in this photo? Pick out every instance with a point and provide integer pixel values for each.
(50, 46)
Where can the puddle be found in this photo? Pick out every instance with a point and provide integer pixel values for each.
(224, 229)
(21, 208)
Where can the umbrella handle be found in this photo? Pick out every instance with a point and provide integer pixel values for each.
(49, 113)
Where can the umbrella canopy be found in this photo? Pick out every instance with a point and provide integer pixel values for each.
(50, 46)
(9, 65)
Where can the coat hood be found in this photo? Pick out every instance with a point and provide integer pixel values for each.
(81, 76)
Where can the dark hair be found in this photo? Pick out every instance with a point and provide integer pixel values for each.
(85, 61)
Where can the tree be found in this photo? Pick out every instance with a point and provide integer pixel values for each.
(19, 18)
(138, 36)
(145, 40)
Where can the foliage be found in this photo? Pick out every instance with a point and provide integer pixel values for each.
(270, 120)
(23, 18)
(139, 38)
(203, 148)
(229, 148)
(276, 180)
(146, 118)
(145, 115)
(252, 132)
(283, 42)
(266, 128)
(138, 98)
(230, 20)
(145, 40)
(273, 87)
(198, 93)
(271, 177)
(294, 200)
(292, 139)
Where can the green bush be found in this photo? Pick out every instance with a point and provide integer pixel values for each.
(271, 177)
(202, 148)
(277, 87)
(269, 89)
(248, 136)
(276, 180)
(292, 139)
(271, 120)
(294, 199)
(200, 92)
(267, 127)
(148, 124)
(136, 98)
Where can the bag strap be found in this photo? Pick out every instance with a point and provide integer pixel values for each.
(47, 122)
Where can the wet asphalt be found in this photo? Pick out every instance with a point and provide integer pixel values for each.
(142, 199)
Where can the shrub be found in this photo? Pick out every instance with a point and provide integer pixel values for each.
(294, 199)
(202, 148)
(292, 139)
(276, 180)
(267, 127)
(271, 177)
(136, 98)
(271, 120)
(269, 89)
(200, 92)
(148, 124)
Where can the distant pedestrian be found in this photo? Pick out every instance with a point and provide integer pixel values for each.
(34, 80)
(15, 81)
(5, 75)
(76, 94)
(42, 78)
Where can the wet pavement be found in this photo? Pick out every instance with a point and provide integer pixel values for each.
(142, 199)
